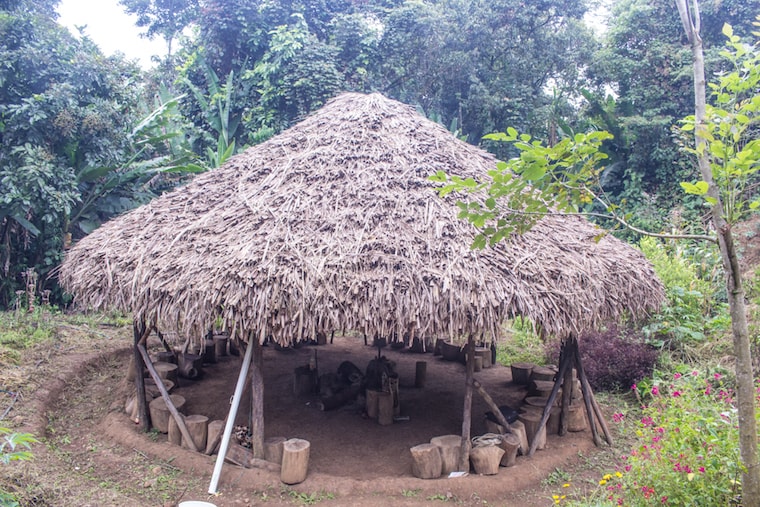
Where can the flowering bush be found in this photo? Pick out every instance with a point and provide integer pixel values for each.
(687, 451)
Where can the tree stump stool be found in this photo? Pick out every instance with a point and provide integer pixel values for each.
(521, 373)
(450, 449)
(485, 354)
(420, 374)
(166, 357)
(215, 427)
(131, 406)
(175, 435)
(159, 412)
(542, 389)
(167, 371)
(197, 426)
(152, 389)
(510, 443)
(531, 421)
(220, 344)
(209, 352)
(576, 418)
(426, 462)
(384, 408)
(371, 403)
(273, 448)
(486, 458)
(518, 428)
(295, 461)
(543, 373)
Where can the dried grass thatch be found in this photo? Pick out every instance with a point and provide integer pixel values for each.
(334, 225)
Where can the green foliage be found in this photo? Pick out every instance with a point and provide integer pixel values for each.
(20, 330)
(14, 447)
(686, 450)
(540, 180)
(730, 131)
(522, 344)
(692, 292)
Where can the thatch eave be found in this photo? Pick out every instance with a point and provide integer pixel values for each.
(333, 225)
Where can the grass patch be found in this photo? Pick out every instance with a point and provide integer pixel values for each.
(521, 345)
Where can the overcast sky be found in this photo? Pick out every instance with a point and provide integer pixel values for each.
(110, 28)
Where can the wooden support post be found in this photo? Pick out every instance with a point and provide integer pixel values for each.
(140, 333)
(586, 395)
(464, 459)
(567, 381)
(563, 366)
(588, 392)
(491, 404)
(257, 398)
(165, 396)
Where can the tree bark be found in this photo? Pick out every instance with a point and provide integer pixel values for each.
(138, 330)
(737, 309)
(464, 459)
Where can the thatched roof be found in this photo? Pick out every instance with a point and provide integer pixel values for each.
(333, 225)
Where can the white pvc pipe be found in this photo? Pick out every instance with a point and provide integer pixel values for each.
(231, 418)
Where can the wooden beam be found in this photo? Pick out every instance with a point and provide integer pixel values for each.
(550, 401)
(139, 333)
(587, 396)
(257, 398)
(589, 393)
(167, 399)
(464, 460)
(492, 404)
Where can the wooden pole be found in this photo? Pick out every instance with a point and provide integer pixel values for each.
(167, 399)
(139, 330)
(587, 396)
(464, 459)
(257, 399)
(552, 396)
(588, 392)
(489, 401)
(567, 394)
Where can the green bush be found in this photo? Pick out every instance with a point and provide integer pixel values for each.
(522, 345)
(691, 290)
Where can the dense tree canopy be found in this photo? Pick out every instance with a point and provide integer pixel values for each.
(86, 136)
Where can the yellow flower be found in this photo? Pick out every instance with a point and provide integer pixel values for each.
(618, 474)
(690, 476)
(566, 485)
(603, 482)
(607, 477)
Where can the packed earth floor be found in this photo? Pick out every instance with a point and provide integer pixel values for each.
(95, 455)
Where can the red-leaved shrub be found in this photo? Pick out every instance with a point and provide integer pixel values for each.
(614, 359)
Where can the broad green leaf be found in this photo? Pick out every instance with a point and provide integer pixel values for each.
(698, 188)
(534, 172)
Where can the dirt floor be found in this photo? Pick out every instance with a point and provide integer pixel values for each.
(94, 455)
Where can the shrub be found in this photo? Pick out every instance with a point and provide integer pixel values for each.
(692, 286)
(613, 359)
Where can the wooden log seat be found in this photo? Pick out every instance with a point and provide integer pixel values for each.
(295, 461)
(427, 463)
(450, 448)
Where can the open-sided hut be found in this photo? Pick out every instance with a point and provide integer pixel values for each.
(333, 224)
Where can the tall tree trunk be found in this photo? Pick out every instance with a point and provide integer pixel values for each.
(744, 380)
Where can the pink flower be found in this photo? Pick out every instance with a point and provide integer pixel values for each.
(702, 470)
(676, 394)
(655, 390)
(718, 376)
(618, 417)
(634, 387)
(694, 373)
(677, 376)
(664, 499)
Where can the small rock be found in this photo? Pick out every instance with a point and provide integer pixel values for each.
(18, 420)
(156, 470)
(150, 483)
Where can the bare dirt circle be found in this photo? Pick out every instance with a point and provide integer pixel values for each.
(99, 453)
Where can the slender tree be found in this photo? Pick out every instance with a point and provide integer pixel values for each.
(690, 17)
